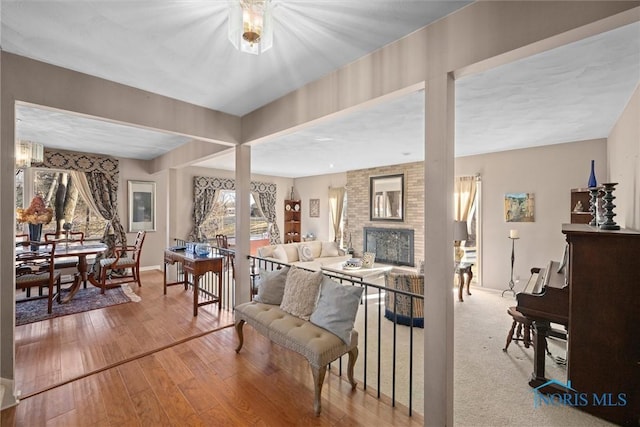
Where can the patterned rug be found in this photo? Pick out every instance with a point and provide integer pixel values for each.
(35, 310)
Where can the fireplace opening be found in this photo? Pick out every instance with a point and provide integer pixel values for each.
(391, 245)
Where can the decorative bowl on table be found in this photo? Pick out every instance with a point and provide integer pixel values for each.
(352, 264)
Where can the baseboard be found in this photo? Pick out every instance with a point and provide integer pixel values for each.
(151, 267)
(6, 394)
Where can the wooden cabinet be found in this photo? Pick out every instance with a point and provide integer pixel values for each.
(603, 343)
(292, 220)
(580, 195)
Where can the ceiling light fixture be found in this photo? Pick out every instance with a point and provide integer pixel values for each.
(250, 25)
(28, 152)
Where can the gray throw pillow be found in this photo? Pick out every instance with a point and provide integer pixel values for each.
(301, 292)
(337, 308)
(304, 253)
(271, 286)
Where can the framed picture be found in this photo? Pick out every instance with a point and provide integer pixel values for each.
(518, 207)
(142, 206)
(314, 208)
(386, 198)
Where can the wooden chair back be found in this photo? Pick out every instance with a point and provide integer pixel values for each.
(222, 241)
(36, 268)
(22, 240)
(74, 237)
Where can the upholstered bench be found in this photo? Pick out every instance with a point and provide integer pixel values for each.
(319, 346)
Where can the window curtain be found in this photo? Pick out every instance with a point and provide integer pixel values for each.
(80, 180)
(97, 178)
(104, 193)
(336, 205)
(266, 203)
(204, 200)
(465, 194)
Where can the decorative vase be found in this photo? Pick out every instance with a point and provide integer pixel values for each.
(35, 232)
(592, 177)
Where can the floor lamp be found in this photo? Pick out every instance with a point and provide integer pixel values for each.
(513, 235)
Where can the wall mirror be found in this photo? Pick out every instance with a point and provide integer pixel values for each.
(386, 198)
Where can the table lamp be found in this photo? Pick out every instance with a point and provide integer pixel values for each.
(460, 233)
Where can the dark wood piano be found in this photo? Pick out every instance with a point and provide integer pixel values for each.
(600, 306)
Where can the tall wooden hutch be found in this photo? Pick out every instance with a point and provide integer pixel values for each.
(292, 220)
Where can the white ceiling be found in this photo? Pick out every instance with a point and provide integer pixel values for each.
(180, 49)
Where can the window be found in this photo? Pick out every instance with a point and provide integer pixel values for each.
(223, 218)
(58, 190)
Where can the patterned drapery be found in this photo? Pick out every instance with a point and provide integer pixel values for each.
(83, 162)
(102, 174)
(203, 203)
(105, 196)
(266, 192)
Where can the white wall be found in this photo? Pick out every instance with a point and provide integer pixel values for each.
(135, 170)
(623, 149)
(317, 187)
(550, 173)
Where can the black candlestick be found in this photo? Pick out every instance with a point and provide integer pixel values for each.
(513, 258)
(609, 223)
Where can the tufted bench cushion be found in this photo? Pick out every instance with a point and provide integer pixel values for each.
(319, 346)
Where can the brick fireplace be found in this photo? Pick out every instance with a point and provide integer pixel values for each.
(391, 245)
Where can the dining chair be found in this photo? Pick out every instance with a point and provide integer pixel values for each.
(124, 268)
(37, 269)
(72, 238)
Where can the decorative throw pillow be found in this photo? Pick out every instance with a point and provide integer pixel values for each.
(305, 253)
(301, 292)
(280, 254)
(271, 286)
(337, 308)
(329, 249)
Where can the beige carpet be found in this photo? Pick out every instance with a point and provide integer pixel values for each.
(490, 386)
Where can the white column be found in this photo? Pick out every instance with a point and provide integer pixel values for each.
(243, 243)
(438, 210)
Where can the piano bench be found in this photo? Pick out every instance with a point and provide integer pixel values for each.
(520, 328)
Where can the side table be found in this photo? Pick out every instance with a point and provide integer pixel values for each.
(462, 269)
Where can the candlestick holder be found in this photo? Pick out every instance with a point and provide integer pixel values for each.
(609, 223)
(593, 205)
(513, 258)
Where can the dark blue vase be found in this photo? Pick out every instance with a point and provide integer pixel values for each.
(592, 177)
(35, 233)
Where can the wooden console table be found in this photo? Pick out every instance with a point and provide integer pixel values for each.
(197, 266)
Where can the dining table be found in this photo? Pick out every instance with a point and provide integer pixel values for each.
(79, 251)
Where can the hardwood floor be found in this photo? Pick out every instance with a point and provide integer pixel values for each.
(153, 363)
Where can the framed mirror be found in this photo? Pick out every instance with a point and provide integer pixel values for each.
(386, 198)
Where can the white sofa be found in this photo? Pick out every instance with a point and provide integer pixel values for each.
(321, 253)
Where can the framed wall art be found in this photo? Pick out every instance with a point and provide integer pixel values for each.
(314, 208)
(519, 207)
(142, 206)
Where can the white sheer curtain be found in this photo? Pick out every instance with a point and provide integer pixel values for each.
(465, 195)
(336, 205)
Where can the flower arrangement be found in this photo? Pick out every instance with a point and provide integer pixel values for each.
(36, 213)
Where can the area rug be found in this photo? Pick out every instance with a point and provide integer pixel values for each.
(85, 300)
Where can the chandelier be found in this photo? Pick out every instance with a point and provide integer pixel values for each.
(28, 152)
(250, 25)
